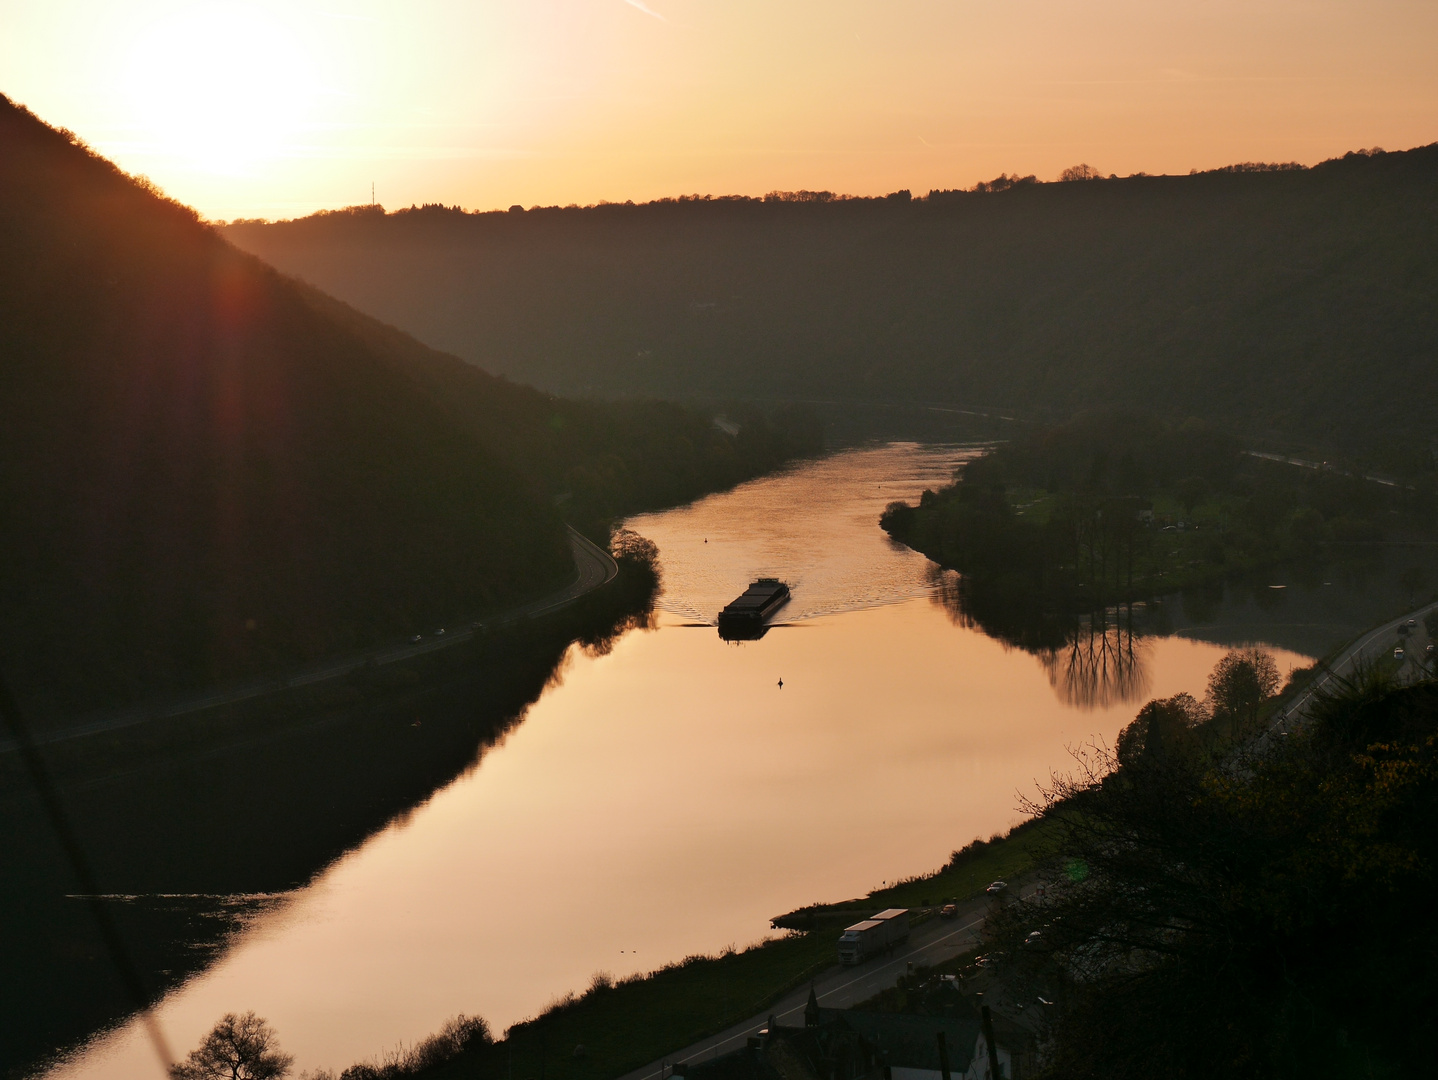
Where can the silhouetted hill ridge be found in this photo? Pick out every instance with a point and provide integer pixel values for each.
(204, 476)
(1291, 303)
(210, 469)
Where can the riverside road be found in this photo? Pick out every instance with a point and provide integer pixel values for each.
(593, 569)
(930, 943)
(1368, 648)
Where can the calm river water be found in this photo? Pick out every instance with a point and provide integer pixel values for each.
(669, 797)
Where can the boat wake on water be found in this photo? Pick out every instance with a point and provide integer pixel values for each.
(786, 528)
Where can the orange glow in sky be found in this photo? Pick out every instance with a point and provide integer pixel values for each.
(276, 109)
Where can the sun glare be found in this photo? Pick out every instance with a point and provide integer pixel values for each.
(220, 86)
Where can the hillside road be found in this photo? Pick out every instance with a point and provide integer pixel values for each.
(1367, 648)
(594, 568)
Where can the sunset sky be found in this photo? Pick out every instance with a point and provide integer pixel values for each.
(277, 109)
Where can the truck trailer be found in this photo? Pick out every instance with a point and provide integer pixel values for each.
(873, 935)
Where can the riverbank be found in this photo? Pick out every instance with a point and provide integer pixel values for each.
(614, 1027)
(1114, 508)
(195, 825)
(666, 797)
(687, 1011)
(668, 1015)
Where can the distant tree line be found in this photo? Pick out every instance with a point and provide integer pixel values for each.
(1293, 303)
(1113, 507)
(1002, 182)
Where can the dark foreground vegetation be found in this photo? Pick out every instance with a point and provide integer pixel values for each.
(1222, 906)
(209, 470)
(1115, 507)
(1290, 303)
(192, 826)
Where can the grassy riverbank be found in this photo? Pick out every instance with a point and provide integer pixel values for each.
(623, 1025)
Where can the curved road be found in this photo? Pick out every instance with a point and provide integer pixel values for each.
(594, 568)
(1370, 647)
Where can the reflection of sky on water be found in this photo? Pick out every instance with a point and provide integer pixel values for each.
(814, 526)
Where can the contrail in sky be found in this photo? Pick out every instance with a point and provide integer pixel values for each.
(642, 6)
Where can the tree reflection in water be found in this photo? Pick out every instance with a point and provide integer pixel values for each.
(1103, 663)
(1092, 661)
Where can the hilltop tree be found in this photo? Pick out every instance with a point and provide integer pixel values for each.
(1080, 172)
(237, 1048)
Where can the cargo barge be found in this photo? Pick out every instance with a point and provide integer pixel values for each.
(744, 617)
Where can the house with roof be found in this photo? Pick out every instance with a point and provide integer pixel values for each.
(850, 1044)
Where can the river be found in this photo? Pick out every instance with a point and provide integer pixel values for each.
(668, 796)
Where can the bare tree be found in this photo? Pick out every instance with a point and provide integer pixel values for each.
(237, 1048)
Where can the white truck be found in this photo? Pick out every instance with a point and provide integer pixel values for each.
(873, 935)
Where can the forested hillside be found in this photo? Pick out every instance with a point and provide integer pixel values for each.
(1292, 303)
(208, 470)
